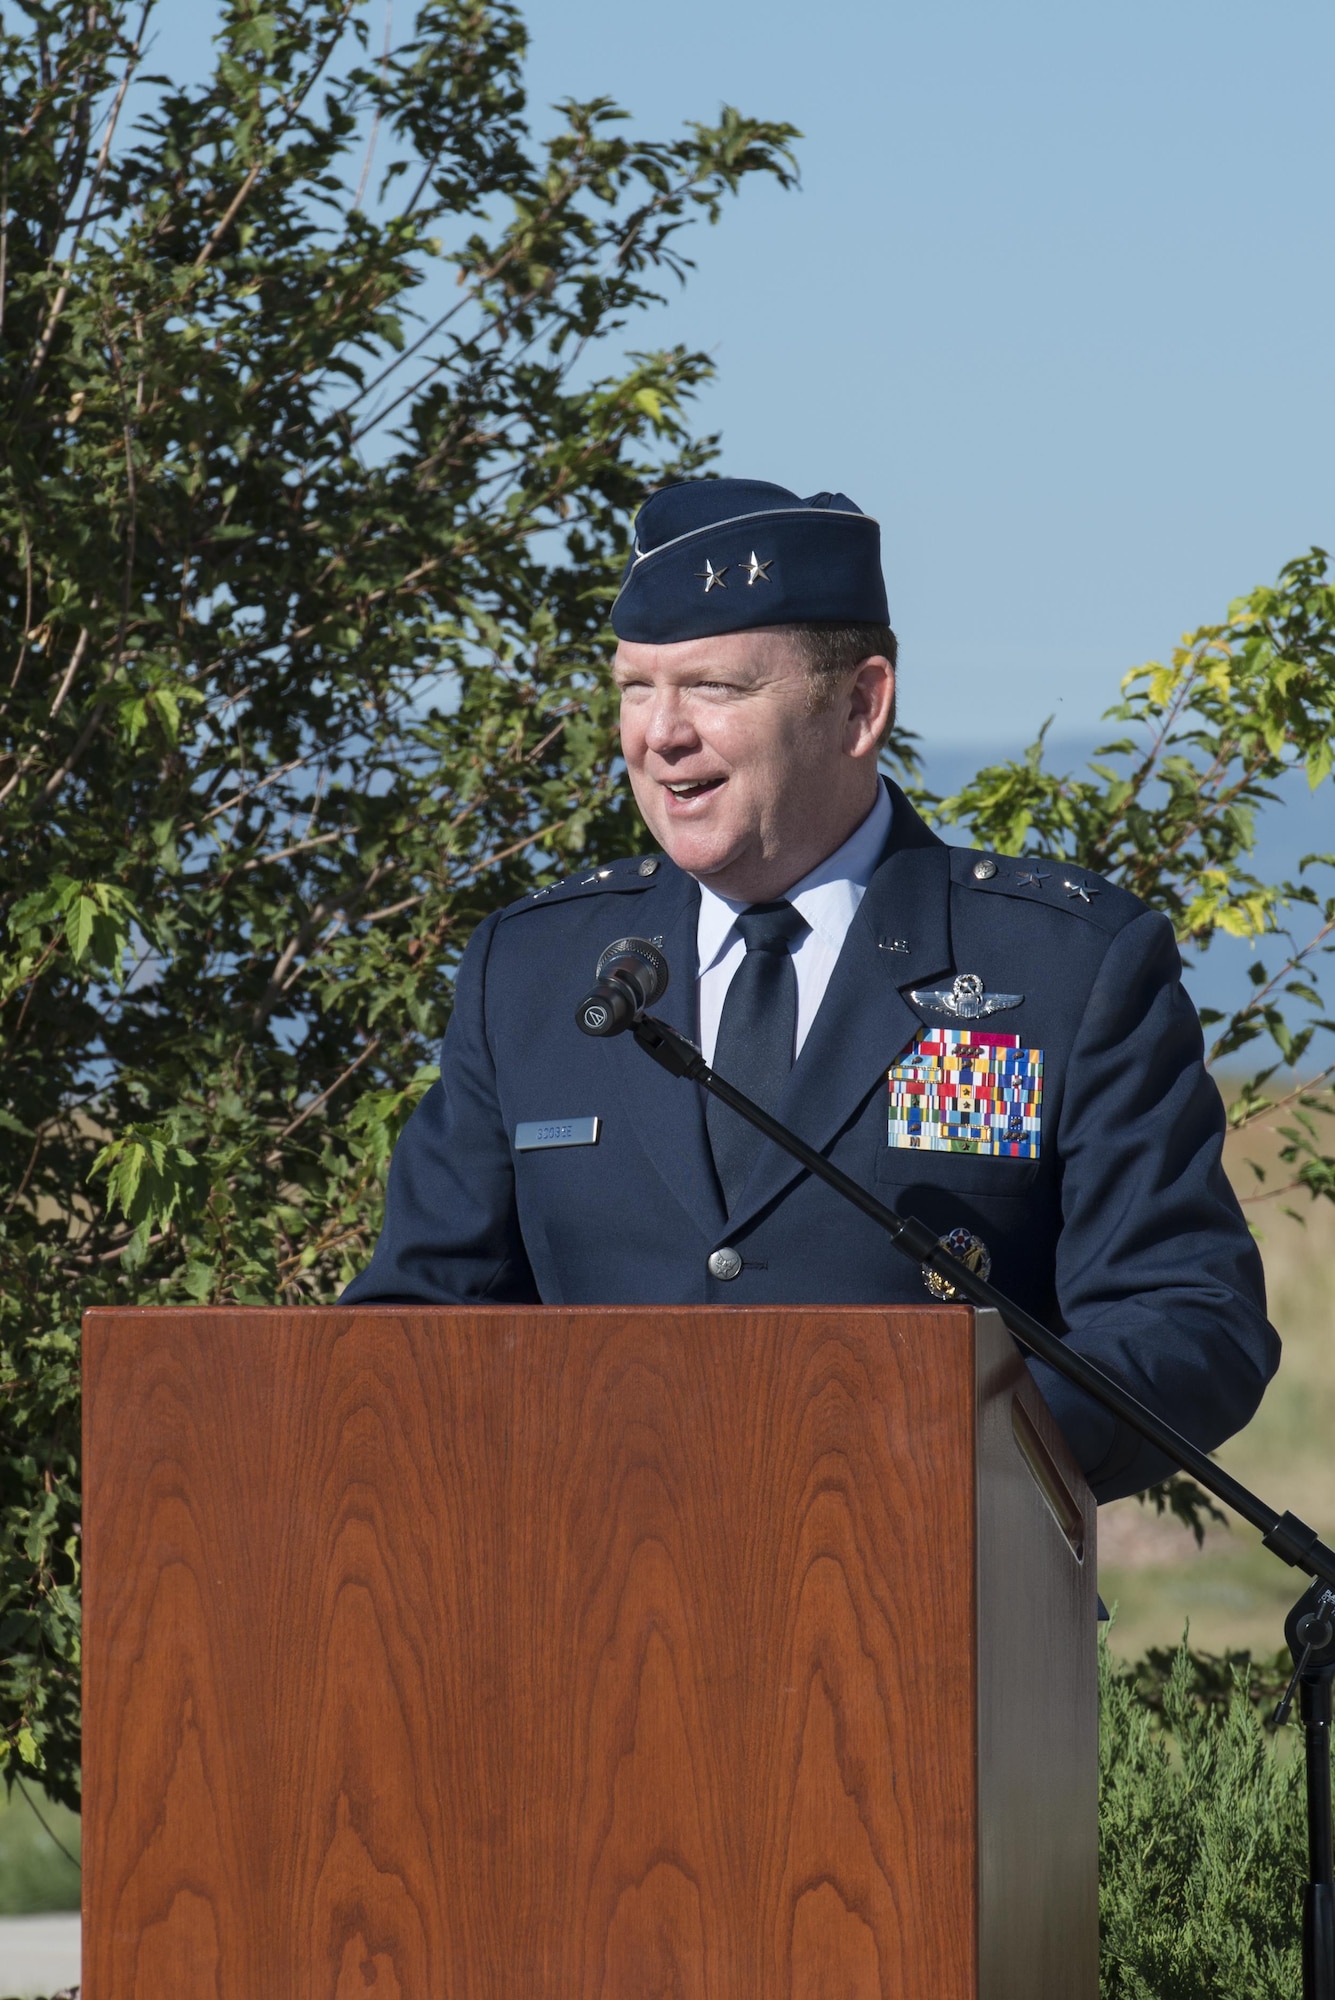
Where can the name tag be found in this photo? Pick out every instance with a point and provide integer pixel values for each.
(538, 1132)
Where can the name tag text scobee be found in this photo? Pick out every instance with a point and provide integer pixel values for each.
(535, 1133)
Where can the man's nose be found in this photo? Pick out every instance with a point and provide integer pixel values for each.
(669, 725)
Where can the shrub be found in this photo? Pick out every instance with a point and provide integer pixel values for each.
(1202, 1840)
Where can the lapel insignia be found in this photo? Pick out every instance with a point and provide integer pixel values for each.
(969, 1250)
(966, 1000)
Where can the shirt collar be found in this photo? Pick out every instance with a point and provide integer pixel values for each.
(827, 897)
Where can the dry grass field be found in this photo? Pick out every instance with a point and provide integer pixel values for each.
(1233, 1593)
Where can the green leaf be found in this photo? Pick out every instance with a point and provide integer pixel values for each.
(79, 926)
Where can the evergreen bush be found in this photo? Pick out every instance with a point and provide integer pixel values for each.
(1202, 1840)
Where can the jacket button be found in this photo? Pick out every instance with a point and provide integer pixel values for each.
(983, 871)
(725, 1263)
(649, 866)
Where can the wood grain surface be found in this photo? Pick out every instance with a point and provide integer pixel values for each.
(536, 1655)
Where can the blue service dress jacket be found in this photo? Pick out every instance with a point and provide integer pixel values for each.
(1098, 1191)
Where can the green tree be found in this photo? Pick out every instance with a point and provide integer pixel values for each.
(311, 509)
(1169, 809)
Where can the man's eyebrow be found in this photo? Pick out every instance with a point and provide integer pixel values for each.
(713, 670)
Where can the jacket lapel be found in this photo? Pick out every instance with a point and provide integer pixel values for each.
(864, 1021)
(666, 1114)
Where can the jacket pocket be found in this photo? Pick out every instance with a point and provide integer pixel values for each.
(975, 1173)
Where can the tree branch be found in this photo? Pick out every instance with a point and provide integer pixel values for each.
(310, 1109)
(58, 777)
(94, 189)
(1253, 1007)
(293, 106)
(327, 907)
(375, 122)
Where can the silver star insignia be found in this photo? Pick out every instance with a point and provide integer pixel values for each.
(1037, 879)
(966, 1000)
(710, 576)
(756, 571)
(1080, 889)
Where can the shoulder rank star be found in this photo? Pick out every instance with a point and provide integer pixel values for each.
(966, 1000)
(1084, 890)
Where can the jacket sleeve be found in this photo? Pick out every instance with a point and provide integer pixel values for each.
(451, 1232)
(1158, 1279)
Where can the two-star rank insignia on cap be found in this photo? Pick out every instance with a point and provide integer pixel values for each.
(812, 560)
(756, 572)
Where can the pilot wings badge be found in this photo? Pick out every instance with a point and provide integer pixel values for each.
(966, 1000)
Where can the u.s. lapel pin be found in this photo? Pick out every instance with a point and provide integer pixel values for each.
(966, 1000)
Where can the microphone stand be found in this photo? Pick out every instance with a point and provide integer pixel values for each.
(1310, 1627)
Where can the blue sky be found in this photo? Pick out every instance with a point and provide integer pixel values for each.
(1054, 301)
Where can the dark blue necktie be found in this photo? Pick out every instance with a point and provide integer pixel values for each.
(756, 1037)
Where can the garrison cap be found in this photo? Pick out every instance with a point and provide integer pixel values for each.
(726, 555)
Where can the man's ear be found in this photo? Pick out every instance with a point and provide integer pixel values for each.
(871, 706)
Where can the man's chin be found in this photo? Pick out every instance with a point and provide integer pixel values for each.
(698, 853)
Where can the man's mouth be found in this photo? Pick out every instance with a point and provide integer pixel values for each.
(692, 788)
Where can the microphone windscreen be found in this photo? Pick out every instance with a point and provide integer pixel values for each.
(646, 971)
(629, 977)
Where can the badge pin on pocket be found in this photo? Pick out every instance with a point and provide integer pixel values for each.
(967, 1000)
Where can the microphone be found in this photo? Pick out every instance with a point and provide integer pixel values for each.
(629, 977)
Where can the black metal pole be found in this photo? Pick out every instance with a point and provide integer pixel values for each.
(1310, 1631)
(1283, 1534)
(1319, 1897)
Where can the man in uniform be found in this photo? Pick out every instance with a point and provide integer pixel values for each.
(1000, 1047)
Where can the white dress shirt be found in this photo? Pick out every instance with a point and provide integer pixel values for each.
(828, 898)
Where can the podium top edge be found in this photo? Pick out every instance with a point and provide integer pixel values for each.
(104, 1315)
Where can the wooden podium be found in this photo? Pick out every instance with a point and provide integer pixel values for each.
(589, 1654)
